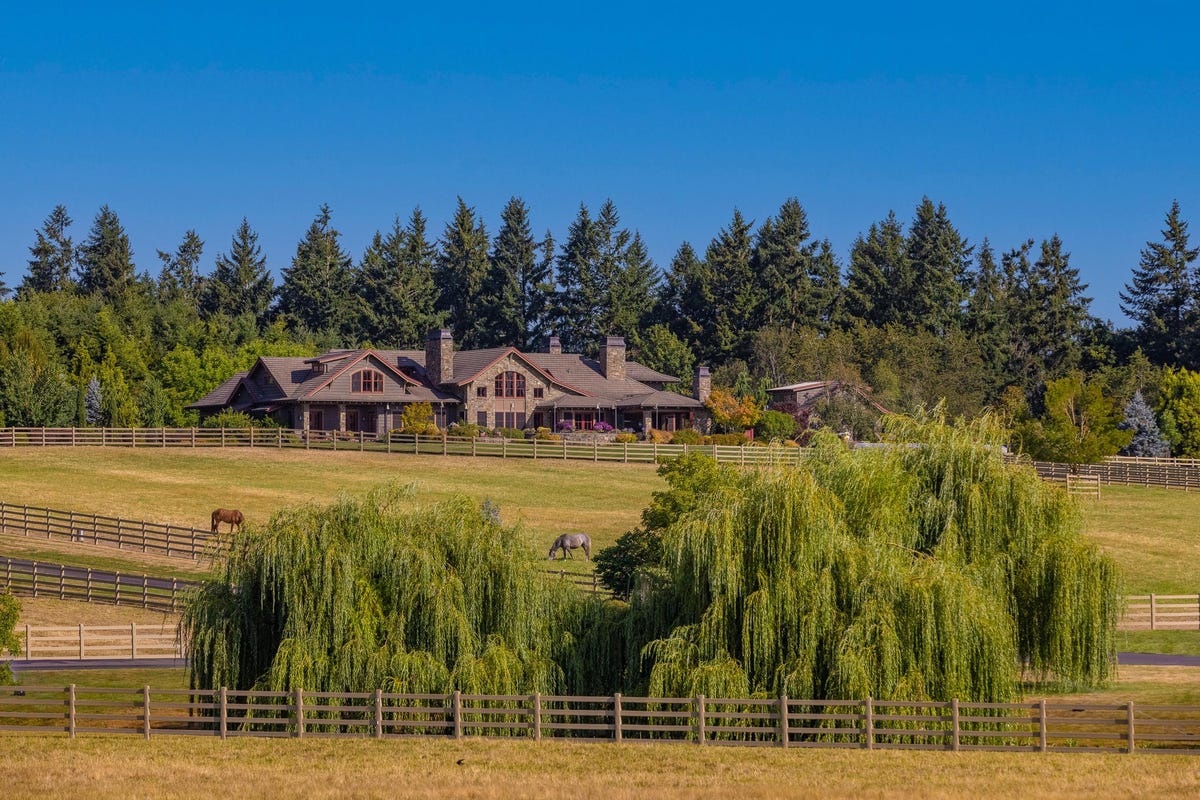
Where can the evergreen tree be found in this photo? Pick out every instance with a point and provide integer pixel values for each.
(987, 321)
(1148, 441)
(1055, 311)
(738, 296)
(93, 402)
(537, 296)
(513, 261)
(53, 256)
(1162, 296)
(939, 259)
(782, 266)
(462, 268)
(395, 285)
(879, 283)
(180, 277)
(686, 302)
(630, 296)
(579, 289)
(4, 290)
(106, 260)
(241, 284)
(316, 287)
(825, 306)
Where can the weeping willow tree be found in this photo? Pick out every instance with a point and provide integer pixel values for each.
(927, 568)
(374, 593)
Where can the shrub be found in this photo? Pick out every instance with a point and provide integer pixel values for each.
(626, 438)
(510, 433)
(9, 611)
(657, 436)
(687, 436)
(775, 425)
(235, 419)
(465, 430)
(417, 419)
(565, 426)
(602, 427)
(726, 439)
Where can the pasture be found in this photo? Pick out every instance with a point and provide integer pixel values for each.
(103, 767)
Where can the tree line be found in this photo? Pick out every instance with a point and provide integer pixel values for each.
(915, 311)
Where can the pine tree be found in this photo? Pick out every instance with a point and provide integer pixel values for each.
(826, 302)
(512, 262)
(537, 296)
(630, 296)
(1148, 441)
(180, 277)
(782, 266)
(1055, 311)
(106, 260)
(93, 402)
(738, 296)
(879, 283)
(939, 259)
(241, 284)
(53, 256)
(578, 294)
(316, 287)
(1162, 296)
(462, 268)
(395, 285)
(687, 302)
(987, 321)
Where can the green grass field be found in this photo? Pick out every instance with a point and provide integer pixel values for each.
(1153, 534)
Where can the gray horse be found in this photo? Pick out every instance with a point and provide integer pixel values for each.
(568, 542)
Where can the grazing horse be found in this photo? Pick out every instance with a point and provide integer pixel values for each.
(568, 542)
(230, 515)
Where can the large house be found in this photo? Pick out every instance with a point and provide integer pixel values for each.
(366, 390)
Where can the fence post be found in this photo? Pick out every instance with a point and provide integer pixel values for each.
(223, 703)
(81, 641)
(785, 735)
(617, 717)
(1129, 741)
(537, 716)
(71, 710)
(1151, 611)
(1043, 737)
(117, 588)
(146, 711)
(62, 581)
(174, 592)
(456, 708)
(88, 585)
(504, 447)
(378, 714)
(299, 713)
(27, 641)
(700, 718)
(133, 640)
(955, 741)
(869, 723)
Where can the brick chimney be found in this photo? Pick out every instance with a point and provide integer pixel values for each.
(555, 346)
(702, 384)
(439, 356)
(612, 358)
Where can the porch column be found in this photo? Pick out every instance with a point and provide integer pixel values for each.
(304, 416)
(647, 421)
(341, 409)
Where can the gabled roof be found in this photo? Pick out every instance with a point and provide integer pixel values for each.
(862, 392)
(468, 364)
(221, 395)
(640, 372)
(354, 360)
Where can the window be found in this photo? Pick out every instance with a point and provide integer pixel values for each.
(481, 391)
(367, 380)
(481, 419)
(510, 384)
(538, 393)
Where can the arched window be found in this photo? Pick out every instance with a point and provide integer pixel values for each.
(367, 380)
(510, 384)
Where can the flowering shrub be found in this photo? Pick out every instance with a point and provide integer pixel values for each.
(565, 426)
(602, 427)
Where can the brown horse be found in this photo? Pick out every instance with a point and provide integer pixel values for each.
(230, 515)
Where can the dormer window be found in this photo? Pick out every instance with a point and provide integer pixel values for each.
(510, 384)
(318, 369)
(367, 380)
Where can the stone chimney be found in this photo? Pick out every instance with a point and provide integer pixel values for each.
(702, 384)
(439, 356)
(555, 346)
(612, 358)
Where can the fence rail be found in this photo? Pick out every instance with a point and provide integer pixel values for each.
(83, 642)
(1040, 726)
(278, 438)
(1181, 474)
(1161, 612)
(62, 582)
(123, 534)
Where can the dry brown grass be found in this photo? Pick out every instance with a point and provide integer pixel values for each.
(103, 767)
(43, 611)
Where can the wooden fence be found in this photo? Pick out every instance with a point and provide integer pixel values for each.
(1172, 474)
(278, 438)
(1161, 612)
(83, 642)
(62, 582)
(1039, 726)
(124, 534)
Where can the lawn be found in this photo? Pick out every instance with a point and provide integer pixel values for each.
(183, 767)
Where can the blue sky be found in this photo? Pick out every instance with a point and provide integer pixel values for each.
(1024, 121)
